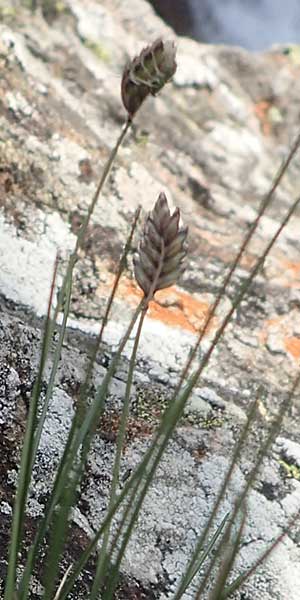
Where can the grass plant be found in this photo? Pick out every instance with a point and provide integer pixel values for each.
(159, 261)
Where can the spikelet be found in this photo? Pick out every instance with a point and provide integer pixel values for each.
(162, 249)
(147, 74)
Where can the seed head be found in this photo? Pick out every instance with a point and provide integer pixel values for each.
(160, 258)
(147, 74)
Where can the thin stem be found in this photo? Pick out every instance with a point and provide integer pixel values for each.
(264, 205)
(237, 583)
(105, 173)
(57, 538)
(122, 266)
(67, 283)
(117, 462)
(263, 451)
(65, 291)
(83, 229)
(205, 552)
(65, 575)
(56, 359)
(267, 444)
(137, 477)
(195, 377)
(231, 550)
(191, 570)
(77, 436)
(241, 293)
(26, 458)
(170, 421)
(133, 481)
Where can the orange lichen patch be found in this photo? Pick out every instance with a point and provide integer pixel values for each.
(292, 346)
(286, 273)
(282, 328)
(275, 321)
(274, 325)
(171, 306)
(293, 267)
(128, 290)
(215, 239)
(179, 309)
(261, 110)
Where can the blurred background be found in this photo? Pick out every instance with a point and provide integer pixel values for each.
(253, 24)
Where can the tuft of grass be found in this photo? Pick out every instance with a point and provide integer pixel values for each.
(158, 262)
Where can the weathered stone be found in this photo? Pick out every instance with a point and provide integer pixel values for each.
(212, 141)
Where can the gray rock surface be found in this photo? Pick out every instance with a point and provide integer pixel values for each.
(212, 140)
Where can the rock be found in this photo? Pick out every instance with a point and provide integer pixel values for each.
(290, 450)
(197, 406)
(212, 141)
(238, 23)
(211, 397)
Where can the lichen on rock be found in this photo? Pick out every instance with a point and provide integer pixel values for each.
(214, 140)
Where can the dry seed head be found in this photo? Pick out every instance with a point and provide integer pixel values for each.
(147, 74)
(162, 249)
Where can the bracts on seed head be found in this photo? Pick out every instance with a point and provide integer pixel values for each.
(162, 249)
(147, 74)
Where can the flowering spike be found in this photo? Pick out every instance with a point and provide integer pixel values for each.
(147, 74)
(162, 250)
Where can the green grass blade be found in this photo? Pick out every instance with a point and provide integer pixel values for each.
(191, 570)
(147, 466)
(100, 571)
(192, 382)
(57, 539)
(125, 412)
(34, 548)
(165, 431)
(241, 579)
(236, 302)
(51, 382)
(130, 487)
(23, 589)
(263, 451)
(26, 458)
(78, 436)
(92, 546)
(67, 283)
(204, 553)
(230, 549)
(135, 502)
(122, 266)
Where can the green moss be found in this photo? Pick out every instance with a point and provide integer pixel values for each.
(99, 50)
(149, 403)
(291, 470)
(142, 138)
(211, 422)
(7, 11)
